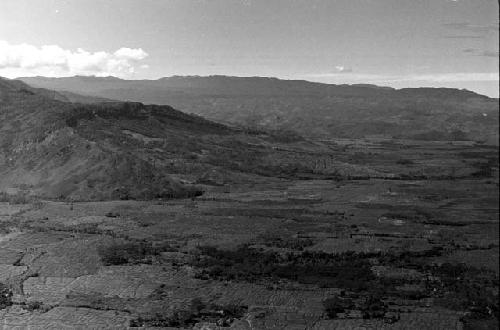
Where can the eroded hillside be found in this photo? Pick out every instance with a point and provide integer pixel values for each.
(60, 150)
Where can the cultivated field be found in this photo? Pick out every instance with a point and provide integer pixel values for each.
(393, 234)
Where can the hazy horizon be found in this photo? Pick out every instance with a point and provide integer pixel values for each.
(394, 43)
(230, 76)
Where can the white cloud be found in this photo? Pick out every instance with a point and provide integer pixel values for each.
(342, 69)
(52, 60)
(131, 53)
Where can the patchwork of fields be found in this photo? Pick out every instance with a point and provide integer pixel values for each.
(378, 241)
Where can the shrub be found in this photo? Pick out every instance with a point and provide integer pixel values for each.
(131, 252)
(18, 198)
(5, 296)
(336, 305)
(404, 161)
(484, 170)
(373, 307)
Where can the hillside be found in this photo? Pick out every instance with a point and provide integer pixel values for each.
(61, 150)
(312, 109)
(54, 148)
(44, 152)
(114, 150)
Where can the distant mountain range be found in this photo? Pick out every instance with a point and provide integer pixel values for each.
(311, 109)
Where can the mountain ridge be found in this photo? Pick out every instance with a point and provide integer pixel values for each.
(34, 80)
(311, 109)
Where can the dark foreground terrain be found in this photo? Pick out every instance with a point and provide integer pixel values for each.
(118, 215)
(412, 245)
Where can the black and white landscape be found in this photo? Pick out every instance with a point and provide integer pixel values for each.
(155, 176)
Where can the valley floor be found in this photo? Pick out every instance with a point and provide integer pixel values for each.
(415, 252)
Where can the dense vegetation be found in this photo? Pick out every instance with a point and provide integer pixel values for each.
(456, 287)
(246, 264)
(198, 311)
(131, 253)
(292, 243)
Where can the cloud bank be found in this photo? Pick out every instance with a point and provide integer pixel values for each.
(476, 28)
(52, 60)
(481, 82)
(466, 30)
(436, 77)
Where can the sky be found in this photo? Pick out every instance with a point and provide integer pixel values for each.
(398, 43)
